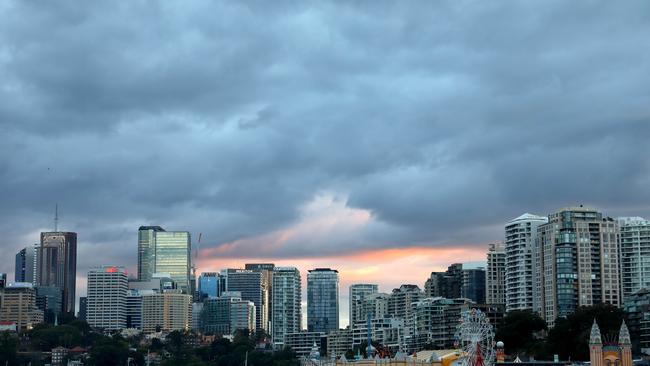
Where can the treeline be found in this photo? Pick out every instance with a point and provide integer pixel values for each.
(526, 335)
(178, 349)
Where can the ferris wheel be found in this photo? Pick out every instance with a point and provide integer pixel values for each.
(475, 339)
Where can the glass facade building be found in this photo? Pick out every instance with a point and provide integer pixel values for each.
(251, 286)
(25, 265)
(56, 265)
(209, 285)
(161, 251)
(322, 300)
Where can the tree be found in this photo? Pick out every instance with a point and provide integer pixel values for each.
(518, 330)
(570, 336)
(109, 351)
(8, 348)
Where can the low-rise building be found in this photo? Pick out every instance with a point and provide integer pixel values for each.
(303, 342)
(18, 305)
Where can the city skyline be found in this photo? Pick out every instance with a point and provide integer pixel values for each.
(364, 138)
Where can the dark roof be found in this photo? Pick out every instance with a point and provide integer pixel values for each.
(154, 228)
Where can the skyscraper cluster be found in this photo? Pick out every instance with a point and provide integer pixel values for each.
(570, 258)
(549, 264)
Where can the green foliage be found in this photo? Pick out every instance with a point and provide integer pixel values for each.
(45, 337)
(8, 348)
(570, 337)
(109, 351)
(518, 330)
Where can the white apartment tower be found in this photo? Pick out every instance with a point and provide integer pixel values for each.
(520, 236)
(495, 276)
(106, 299)
(635, 254)
(286, 314)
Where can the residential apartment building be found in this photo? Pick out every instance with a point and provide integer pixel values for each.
(495, 279)
(446, 284)
(635, 254)
(358, 293)
(576, 261)
(286, 315)
(520, 237)
(474, 283)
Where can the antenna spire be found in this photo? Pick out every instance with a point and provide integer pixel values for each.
(56, 217)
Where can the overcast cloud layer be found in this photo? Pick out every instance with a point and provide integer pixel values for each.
(310, 129)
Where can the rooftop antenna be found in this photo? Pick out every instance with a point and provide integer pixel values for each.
(56, 217)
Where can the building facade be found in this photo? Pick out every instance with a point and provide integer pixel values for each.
(358, 293)
(322, 300)
(401, 300)
(168, 311)
(24, 269)
(287, 303)
(520, 237)
(106, 306)
(576, 263)
(637, 316)
(18, 305)
(250, 284)
(161, 251)
(446, 284)
(474, 283)
(266, 269)
(635, 254)
(56, 265)
(495, 278)
(209, 285)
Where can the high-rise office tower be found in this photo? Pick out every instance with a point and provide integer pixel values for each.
(635, 254)
(3, 280)
(520, 236)
(576, 263)
(106, 299)
(251, 286)
(18, 305)
(209, 285)
(161, 251)
(358, 293)
(446, 284)
(474, 285)
(147, 251)
(495, 278)
(322, 300)
(24, 270)
(287, 296)
(267, 289)
(56, 265)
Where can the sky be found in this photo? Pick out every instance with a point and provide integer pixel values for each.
(384, 139)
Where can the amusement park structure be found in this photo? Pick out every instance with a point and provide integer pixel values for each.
(475, 339)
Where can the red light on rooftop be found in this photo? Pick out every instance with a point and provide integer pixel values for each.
(111, 269)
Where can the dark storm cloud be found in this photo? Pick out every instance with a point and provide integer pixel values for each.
(441, 119)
